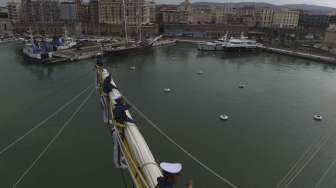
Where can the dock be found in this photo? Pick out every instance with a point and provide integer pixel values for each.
(294, 53)
(164, 43)
(89, 52)
(192, 41)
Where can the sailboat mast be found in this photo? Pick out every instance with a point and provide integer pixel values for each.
(125, 21)
(31, 35)
(139, 20)
(65, 31)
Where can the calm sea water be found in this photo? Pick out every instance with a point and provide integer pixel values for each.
(270, 123)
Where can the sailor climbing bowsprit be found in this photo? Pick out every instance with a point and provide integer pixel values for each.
(130, 148)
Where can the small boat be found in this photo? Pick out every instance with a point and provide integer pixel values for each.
(37, 50)
(318, 117)
(133, 68)
(36, 53)
(166, 90)
(224, 117)
(63, 43)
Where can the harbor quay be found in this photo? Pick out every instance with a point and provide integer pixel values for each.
(91, 51)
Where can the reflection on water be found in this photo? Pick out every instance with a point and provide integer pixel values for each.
(41, 72)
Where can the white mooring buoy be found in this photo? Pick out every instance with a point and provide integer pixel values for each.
(318, 117)
(166, 90)
(224, 117)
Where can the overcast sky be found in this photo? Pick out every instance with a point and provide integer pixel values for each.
(330, 3)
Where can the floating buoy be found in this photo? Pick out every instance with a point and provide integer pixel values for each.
(200, 72)
(133, 68)
(242, 86)
(318, 117)
(166, 90)
(224, 117)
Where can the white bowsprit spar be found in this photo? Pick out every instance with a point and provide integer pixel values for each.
(140, 161)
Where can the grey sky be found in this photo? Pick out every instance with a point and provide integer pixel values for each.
(330, 3)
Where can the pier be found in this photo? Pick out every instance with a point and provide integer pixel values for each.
(88, 52)
(299, 54)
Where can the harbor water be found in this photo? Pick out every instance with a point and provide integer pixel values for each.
(270, 123)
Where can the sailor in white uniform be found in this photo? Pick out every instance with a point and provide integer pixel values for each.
(170, 172)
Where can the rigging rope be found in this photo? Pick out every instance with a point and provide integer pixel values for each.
(44, 121)
(307, 162)
(303, 161)
(299, 162)
(324, 174)
(211, 171)
(54, 138)
(65, 83)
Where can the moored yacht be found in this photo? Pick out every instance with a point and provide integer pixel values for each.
(240, 44)
(210, 46)
(213, 46)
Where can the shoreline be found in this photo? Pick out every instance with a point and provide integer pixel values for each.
(282, 51)
(311, 56)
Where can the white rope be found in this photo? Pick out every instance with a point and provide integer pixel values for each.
(324, 174)
(53, 139)
(44, 121)
(305, 158)
(180, 147)
(307, 162)
(297, 164)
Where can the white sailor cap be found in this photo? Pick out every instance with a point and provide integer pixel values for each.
(99, 54)
(172, 168)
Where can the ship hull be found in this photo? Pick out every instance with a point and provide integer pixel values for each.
(36, 58)
(210, 47)
(239, 49)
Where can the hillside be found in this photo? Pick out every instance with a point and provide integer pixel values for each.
(312, 8)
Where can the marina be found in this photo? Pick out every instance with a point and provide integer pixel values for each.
(270, 121)
(160, 94)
